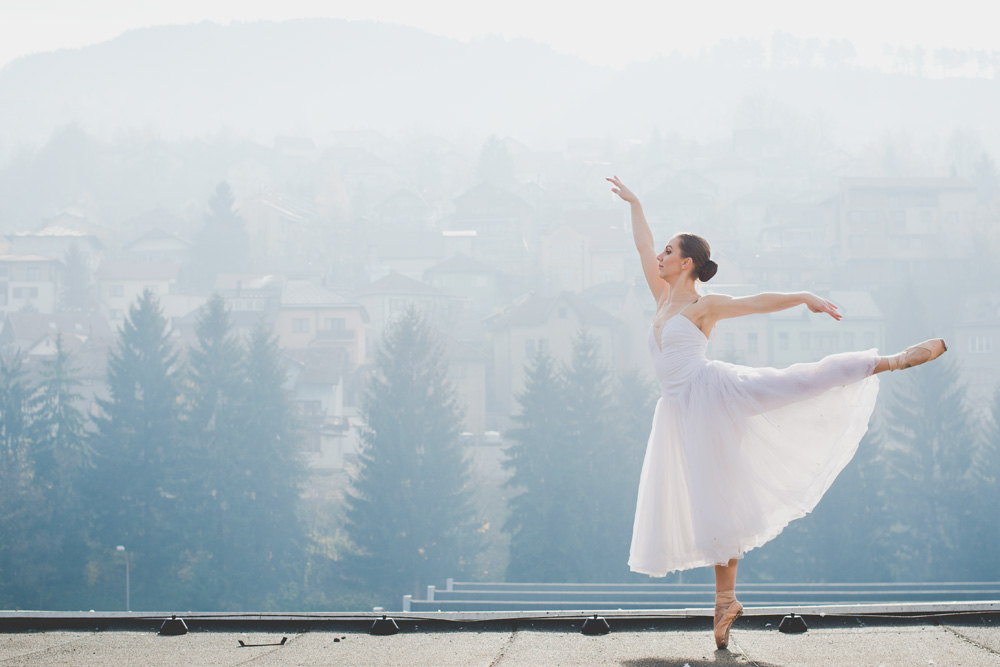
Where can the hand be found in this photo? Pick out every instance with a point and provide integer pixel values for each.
(818, 305)
(622, 191)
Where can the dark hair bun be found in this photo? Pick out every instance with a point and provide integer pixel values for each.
(708, 269)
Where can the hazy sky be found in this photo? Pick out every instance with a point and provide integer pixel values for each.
(610, 32)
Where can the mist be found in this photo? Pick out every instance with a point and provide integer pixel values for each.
(274, 212)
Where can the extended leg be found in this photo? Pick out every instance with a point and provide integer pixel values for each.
(912, 356)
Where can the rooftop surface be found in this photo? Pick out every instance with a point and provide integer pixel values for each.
(942, 634)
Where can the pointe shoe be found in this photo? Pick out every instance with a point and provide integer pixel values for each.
(727, 610)
(918, 354)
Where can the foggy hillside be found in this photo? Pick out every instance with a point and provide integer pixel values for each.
(311, 77)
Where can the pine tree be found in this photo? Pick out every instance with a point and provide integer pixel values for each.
(77, 284)
(61, 449)
(409, 511)
(138, 468)
(21, 501)
(986, 489)
(536, 458)
(269, 539)
(594, 462)
(928, 452)
(222, 244)
(214, 390)
(61, 455)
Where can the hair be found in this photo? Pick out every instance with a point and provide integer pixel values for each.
(698, 251)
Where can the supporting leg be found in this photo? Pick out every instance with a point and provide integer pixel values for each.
(727, 607)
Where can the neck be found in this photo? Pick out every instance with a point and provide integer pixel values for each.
(683, 290)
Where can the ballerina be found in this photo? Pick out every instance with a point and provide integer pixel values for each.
(736, 453)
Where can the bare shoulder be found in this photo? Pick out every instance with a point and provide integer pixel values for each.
(712, 301)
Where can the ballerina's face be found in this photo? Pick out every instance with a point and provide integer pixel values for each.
(671, 263)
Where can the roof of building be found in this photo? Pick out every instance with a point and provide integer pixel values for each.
(28, 258)
(306, 293)
(157, 234)
(396, 283)
(832, 637)
(896, 183)
(462, 263)
(131, 270)
(28, 328)
(533, 310)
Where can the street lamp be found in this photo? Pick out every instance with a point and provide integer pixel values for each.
(128, 605)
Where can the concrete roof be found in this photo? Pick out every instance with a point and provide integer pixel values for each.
(47, 638)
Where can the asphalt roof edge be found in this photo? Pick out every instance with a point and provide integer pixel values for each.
(48, 620)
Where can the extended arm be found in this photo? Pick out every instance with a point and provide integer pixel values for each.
(643, 237)
(720, 306)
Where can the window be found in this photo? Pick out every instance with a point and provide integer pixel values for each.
(4, 271)
(849, 340)
(32, 292)
(869, 340)
(34, 273)
(979, 344)
(804, 340)
(562, 313)
(751, 342)
(300, 325)
(153, 289)
(3, 295)
(116, 290)
(782, 341)
(334, 324)
(18, 293)
(529, 348)
(116, 314)
(543, 344)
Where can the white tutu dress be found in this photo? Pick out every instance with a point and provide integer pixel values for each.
(735, 453)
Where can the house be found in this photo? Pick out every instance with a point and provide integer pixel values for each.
(976, 347)
(29, 282)
(580, 254)
(315, 383)
(890, 228)
(391, 295)
(156, 244)
(798, 335)
(120, 283)
(535, 323)
(502, 222)
(86, 338)
(312, 316)
(58, 242)
(464, 277)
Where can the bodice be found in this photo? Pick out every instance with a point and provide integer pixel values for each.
(681, 356)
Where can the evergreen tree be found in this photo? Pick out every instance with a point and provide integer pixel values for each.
(61, 449)
(134, 487)
(21, 503)
(495, 164)
(540, 543)
(928, 492)
(222, 244)
(409, 511)
(77, 284)
(268, 538)
(214, 391)
(986, 487)
(61, 456)
(576, 457)
(595, 464)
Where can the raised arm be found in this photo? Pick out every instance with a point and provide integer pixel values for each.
(720, 307)
(643, 237)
